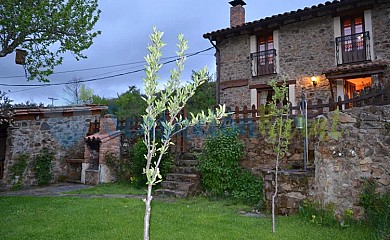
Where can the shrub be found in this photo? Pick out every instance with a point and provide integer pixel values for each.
(138, 163)
(17, 170)
(220, 172)
(377, 208)
(121, 166)
(318, 213)
(42, 165)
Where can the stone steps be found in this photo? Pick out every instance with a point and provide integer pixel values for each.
(184, 170)
(172, 193)
(183, 181)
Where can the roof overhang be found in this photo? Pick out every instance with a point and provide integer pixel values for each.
(356, 70)
(334, 8)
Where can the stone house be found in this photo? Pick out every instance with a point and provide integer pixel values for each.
(63, 130)
(329, 50)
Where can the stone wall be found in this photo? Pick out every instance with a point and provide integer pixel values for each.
(341, 166)
(64, 135)
(258, 154)
(362, 152)
(293, 188)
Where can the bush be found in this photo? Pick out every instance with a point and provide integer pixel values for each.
(42, 166)
(220, 172)
(138, 163)
(318, 213)
(377, 208)
(121, 166)
(17, 170)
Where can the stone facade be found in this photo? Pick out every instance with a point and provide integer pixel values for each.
(60, 130)
(305, 44)
(381, 33)
(235, 65)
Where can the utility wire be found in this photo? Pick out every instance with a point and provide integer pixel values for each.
(96, 68)
(101, 78)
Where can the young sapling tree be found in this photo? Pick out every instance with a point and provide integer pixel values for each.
(279, 131)
(172, 99)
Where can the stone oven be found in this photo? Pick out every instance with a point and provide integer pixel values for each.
(107, 140)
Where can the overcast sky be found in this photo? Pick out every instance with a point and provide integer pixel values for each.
(125, 26)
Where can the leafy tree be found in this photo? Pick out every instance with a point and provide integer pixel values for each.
(204, 97)
(172, 99)
(86, 94)
(5, 108)
(96, 99)
(129, 104)
(279, 131)
(30, 104)
(46, 29)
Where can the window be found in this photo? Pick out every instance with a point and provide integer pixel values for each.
(353, 26)
(264, 58)
(265, 64)
(353, 45)
(264, 96)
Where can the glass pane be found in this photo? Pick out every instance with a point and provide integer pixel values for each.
(358, 25)
(347, 26)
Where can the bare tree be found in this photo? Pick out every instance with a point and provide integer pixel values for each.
(72, 91)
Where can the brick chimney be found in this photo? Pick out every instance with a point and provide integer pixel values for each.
(237, 13)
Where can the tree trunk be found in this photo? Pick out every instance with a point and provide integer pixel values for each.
(148, 208)
(275, 194)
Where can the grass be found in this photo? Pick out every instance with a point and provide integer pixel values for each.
(118, 218)
(111, 188)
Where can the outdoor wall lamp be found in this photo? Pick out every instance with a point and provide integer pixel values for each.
(314, 81)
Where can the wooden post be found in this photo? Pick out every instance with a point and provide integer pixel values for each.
(254, 113)
(339, 103)
(236, 113)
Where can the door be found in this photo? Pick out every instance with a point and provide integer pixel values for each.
(3, 147)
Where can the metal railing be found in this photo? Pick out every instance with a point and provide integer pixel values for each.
(263, 62)
(353, 48)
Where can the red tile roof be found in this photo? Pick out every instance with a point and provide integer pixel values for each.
(103, 137)
(286, 17)
(356, 68)
(19, 111)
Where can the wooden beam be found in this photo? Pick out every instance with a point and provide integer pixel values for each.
(234, 83)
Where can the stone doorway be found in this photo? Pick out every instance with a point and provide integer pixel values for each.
(3, 146)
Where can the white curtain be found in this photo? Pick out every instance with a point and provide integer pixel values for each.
(263, 97)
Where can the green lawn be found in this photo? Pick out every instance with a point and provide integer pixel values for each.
(102, 218)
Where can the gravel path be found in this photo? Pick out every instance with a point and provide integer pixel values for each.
(58, 190)
(52, 190)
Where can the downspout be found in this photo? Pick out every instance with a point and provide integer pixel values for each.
(218, 58)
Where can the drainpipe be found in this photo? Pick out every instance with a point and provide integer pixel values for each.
(218, 57)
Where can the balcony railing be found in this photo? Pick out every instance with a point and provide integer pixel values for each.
(263, 62)
(353, 48)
